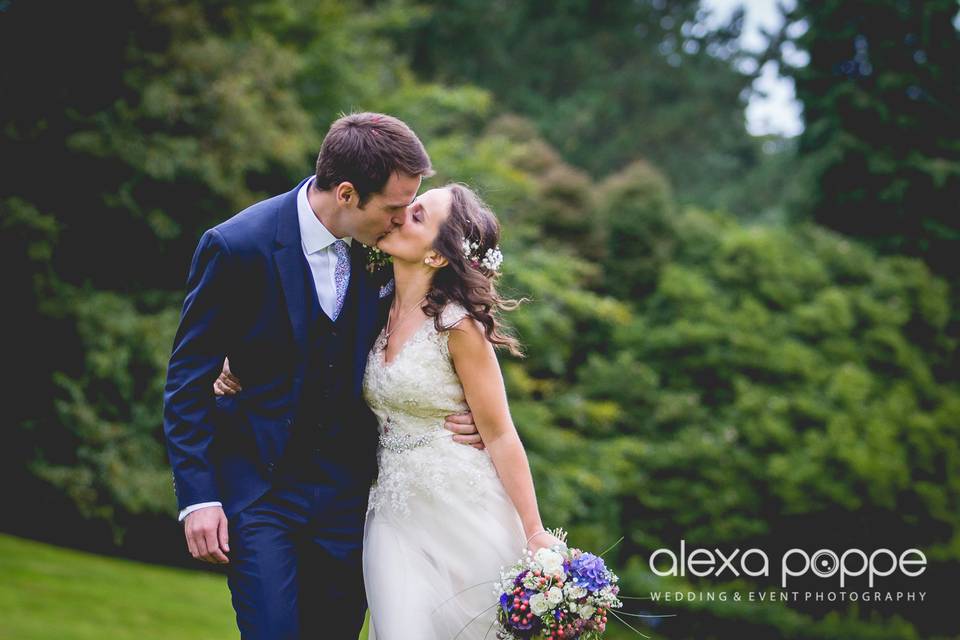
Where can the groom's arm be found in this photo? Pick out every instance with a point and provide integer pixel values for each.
(198, 351)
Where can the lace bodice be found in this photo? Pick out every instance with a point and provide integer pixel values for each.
(411, 396)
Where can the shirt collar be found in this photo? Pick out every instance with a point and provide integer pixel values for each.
(315, 236)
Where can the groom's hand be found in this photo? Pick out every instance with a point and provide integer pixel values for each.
(466, 431)
(206, 533)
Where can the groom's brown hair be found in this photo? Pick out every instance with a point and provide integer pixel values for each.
(365, 149)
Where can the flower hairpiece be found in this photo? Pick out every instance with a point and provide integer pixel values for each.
(491, 259)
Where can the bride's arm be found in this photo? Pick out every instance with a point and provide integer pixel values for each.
(476, 363)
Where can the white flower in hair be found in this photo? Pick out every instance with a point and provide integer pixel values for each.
(469, 248)
(491, 260)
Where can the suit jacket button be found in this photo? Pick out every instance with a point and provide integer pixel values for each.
(271, 467)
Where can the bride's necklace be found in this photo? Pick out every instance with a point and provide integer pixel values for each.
(388, 331)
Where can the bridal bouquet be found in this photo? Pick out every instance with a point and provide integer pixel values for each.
(556, 593)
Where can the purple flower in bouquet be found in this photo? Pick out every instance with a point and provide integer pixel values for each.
(557, 592)
(516, 606)
(590, 571)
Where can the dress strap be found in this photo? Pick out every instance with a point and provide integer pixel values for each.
(452, 314)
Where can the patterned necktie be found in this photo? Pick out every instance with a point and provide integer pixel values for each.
(341, 275)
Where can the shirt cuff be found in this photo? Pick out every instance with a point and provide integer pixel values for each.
(195, 507)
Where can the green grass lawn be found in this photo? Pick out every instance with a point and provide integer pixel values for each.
(49, 592)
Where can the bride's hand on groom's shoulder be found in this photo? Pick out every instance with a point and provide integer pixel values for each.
(226, 383)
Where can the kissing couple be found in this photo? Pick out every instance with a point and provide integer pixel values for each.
(357, 450)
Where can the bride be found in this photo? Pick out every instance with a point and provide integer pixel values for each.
(442, 519)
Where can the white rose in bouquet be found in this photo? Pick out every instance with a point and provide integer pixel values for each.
(550, 560)
(554, 596)
(539, 604)
(574, 591)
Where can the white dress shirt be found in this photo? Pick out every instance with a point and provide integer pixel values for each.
(317, 243)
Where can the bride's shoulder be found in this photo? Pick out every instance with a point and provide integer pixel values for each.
(452, 314)
(465, 335)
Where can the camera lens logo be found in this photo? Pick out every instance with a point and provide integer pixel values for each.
(824, 563)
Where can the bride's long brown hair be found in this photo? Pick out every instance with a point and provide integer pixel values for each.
(469, 283)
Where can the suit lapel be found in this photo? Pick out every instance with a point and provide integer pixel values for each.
(288, 258)
(366, 318)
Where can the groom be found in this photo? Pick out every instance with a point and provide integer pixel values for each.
(273, 481)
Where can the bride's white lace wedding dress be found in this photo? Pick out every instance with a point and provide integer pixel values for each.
(439, 523)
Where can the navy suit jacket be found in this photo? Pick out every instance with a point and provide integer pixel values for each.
(246, 299)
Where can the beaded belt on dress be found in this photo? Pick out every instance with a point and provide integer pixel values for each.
(399, 441)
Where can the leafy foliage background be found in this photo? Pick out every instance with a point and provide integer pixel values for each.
(725, 345)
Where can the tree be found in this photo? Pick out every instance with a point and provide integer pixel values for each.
(122, 141)
(882, 138)
(606, 83)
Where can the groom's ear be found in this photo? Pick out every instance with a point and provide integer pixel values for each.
(346, 194)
